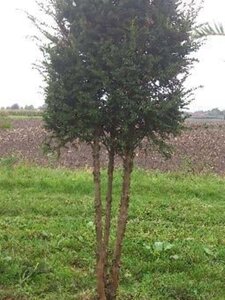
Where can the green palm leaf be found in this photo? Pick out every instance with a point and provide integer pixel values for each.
(217, 29)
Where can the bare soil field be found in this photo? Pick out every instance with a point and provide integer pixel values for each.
(200, 148)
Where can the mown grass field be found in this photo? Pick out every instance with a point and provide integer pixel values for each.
(174, 247)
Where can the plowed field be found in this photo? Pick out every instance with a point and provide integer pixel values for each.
(200, 148)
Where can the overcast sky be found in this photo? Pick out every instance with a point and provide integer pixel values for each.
(21, 84)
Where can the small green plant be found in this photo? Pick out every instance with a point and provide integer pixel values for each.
(8, 161)
(5, 122)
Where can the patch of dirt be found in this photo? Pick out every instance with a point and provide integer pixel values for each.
(200, 148)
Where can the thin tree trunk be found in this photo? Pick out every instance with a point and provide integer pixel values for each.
(108, 209)
(98, 222)
(121, 226)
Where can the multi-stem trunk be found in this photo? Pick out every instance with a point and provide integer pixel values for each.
(98, 222)
(108, 212)
(121, 226)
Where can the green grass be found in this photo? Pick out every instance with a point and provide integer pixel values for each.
(174, 247)
(5, 123)
(22, 113)
(17, 117)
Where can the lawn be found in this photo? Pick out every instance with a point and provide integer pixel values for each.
(174, 247)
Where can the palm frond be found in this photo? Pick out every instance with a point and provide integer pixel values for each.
(217, 29)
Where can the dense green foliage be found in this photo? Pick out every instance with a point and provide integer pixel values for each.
(116, 69)
(174, 248)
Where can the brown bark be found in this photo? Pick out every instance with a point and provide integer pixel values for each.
(98, 222)
(121, 227)
(108, 209)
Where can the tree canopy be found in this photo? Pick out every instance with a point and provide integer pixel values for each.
(118, 67)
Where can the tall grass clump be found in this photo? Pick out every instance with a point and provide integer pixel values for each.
(5, 122)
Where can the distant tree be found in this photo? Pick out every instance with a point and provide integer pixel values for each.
(42, 107)
(29, 107)
(215, 112)
(114, 76)
(14, 106)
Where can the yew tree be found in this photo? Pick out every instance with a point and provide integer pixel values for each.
(115, 73)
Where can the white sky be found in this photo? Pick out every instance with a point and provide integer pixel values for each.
(21, 84)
